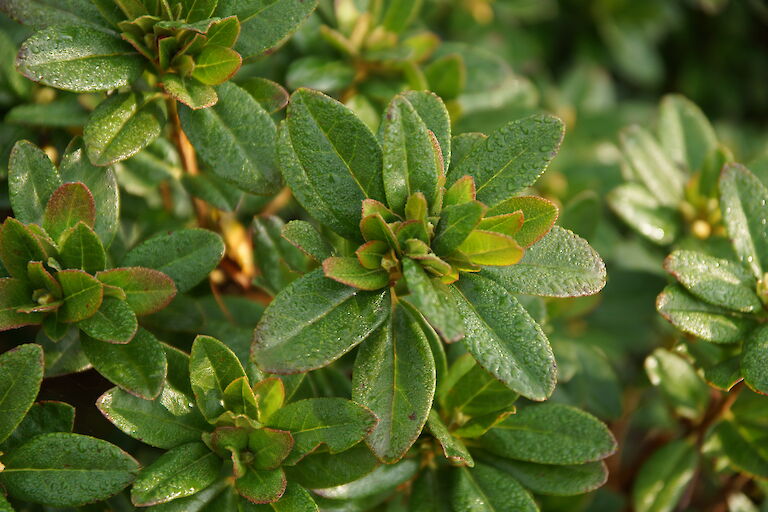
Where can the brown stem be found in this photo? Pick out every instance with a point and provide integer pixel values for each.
(716, 411)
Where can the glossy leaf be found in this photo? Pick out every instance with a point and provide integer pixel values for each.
(270, 95)
(114, 322)
(678, 382)
(32, 179)
(553, 480)
(21, 372)
(42, 418)
(213, 367)
(146, 290)
(539, 215)
(69, 204)
(434, 113)
(78, 59)
(19, 246)
(83, 295)
(45, 13)
(321, 470)
(15, 293)
(186, 256)
(484, 488)
(261, 486)
(350, 272)
(394, 376)
(82, 249)
(303, 235)
(456, 222)
(189, 91)
(433, 301)
(313, 322)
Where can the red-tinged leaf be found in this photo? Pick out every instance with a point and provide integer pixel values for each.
(146, 290)
(507, 223)
(490, 248)
(69, 204)
(18, 246)
(349, 271)
(82, 295)
(370, 254)
(539, 215)
(462, 191)
(261, 486)
(14, 294)
(40, 278)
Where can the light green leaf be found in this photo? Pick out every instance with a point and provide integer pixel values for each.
(187, 256)
(138, 366)
(664, 477)
(82, 297)
(121, 126)
(453, 447)
(551, 434)
(642, 212)
(684, 132)
(21, 372)
(313, 322)
(189, 91)
(67, 470)
(78, 59)
(433, 112)
(447, 76)
(470, 390)
(394, 376)
(504, 339)
(455, 225)
(539, 215)
(511, 158)
(236, 138)
(561, 264)
(432, 300)
(270, 95)
(216, 64)
(350, 272)
(32, 179)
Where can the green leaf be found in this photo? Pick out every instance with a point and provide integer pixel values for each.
(182, 471)
(350, 272)
(138, 366)
(146, 290)
(303, 235)
(212, 367)
(150, 421)
(63, 356)
(265, 25)
(69, 204)
(114, 322)
(313, 322)
(15, 293)
(67, 470)
(19, 246)
(325, 74)
(714, 280)
(539, 215)
(561, 264)
(741, 446)
(189, 91)
(400, 14)
(708, 322)
(433, 301)
(447, 76)
(684, 132)
(553, 480)
(679, 383)
(651, 167)
(435, 115)
(102, 183)
(470, 390)
(336, 158)
(223, 32)
(83, 295)
(394, 376)
(640, 209)
(121, 126)
(322, 470)
(78, 59)
(187, 256)
(490, 248)
(486, 489)
(42, 418)
(754, 360)
(216, 64)
(32, 179)
(504, 339)
(270, 95)
(214, 190)
(664, 477)
(338, 423)
(551, 434)
(82, 249)
(453, 448)
(455, 225)
(21, 372)
(744, 202)
(199, 9)
(45, 13)
(260, 486)
(270, 447)
(236, 138)
(412, 160)
(512, 158)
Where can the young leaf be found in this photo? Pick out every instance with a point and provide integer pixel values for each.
(186, 256)
(504, 339)
(560, 265)
(78, 59)
(82, 294)
(337, 155)
(394, 376)
(182, 471)
(216, 64)
(189, 91)
(433, 301)
(82, 249)
(349, 271)
(138, 366)
(313, 322)
(67, 470)
(744, 201)
(708, 322)
(261, 486)
(270, 447)
(270, 95)
(411, 162)
(453, 448)
(484, 488)
(114, 322)
(236, 138)
(551, 434)
(338, 423)
(456, 223)
(684, 132)
(512, 158)
(470, 390)
(121, 126)
(490, 248)
(303, 235)
(664, 477)
(21, 372)
(32, 179)
(198, 10)
(212, 367)
(69, 204)
(19, 246)
(539, 215)
(146, 290)
(150, 421)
